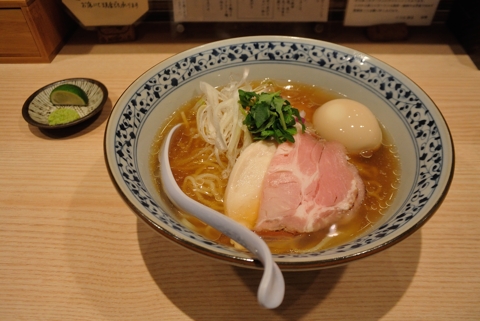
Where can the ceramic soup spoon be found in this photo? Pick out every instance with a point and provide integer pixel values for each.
(272, 285)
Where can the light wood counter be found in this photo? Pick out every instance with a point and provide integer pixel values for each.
(71, 249)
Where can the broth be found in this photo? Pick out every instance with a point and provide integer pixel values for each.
(380, 173)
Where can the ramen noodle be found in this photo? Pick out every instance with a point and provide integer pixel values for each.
(202, 172)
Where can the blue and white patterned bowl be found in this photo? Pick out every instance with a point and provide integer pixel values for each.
(416, 125)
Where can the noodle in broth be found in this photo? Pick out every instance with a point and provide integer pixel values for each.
(200, 174)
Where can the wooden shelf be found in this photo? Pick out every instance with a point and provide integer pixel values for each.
(32, 31)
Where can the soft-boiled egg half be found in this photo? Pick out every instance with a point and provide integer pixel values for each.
(349, 123)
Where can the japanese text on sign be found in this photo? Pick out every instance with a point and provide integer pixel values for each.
(92, 13)
(251, 10)
(372, 12)
(109, 4)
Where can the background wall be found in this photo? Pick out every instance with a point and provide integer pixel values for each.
(161, 11)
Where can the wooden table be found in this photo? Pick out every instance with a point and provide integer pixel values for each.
(71, 249)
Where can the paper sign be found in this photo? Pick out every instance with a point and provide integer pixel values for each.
(92, 13)
(250, 11)
(373, 12)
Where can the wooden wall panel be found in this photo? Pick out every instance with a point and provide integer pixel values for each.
(15, 37)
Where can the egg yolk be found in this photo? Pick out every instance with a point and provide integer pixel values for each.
(349, 123)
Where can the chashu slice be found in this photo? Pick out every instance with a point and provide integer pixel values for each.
(309, 185)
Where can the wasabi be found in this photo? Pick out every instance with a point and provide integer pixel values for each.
(62, 116)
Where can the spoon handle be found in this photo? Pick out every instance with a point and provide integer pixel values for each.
(272, 286)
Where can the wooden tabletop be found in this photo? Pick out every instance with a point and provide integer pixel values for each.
(71, 249)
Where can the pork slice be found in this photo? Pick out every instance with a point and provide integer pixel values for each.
(309, 185)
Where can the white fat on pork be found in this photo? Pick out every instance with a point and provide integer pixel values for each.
(309, 185)
(244, 188)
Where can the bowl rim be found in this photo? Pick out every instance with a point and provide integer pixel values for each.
(284, 265)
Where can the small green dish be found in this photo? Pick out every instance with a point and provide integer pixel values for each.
(38, 109)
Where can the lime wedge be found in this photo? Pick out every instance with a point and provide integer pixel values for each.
(68, 94)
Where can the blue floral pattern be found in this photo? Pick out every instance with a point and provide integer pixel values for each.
(422, 127)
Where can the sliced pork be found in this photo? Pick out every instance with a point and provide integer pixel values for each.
(309, 185)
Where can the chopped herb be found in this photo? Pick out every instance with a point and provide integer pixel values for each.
(269, 116)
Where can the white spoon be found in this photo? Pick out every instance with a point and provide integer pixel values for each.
(272, 286)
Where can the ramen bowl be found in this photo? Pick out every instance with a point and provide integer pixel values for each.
(421, 135)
